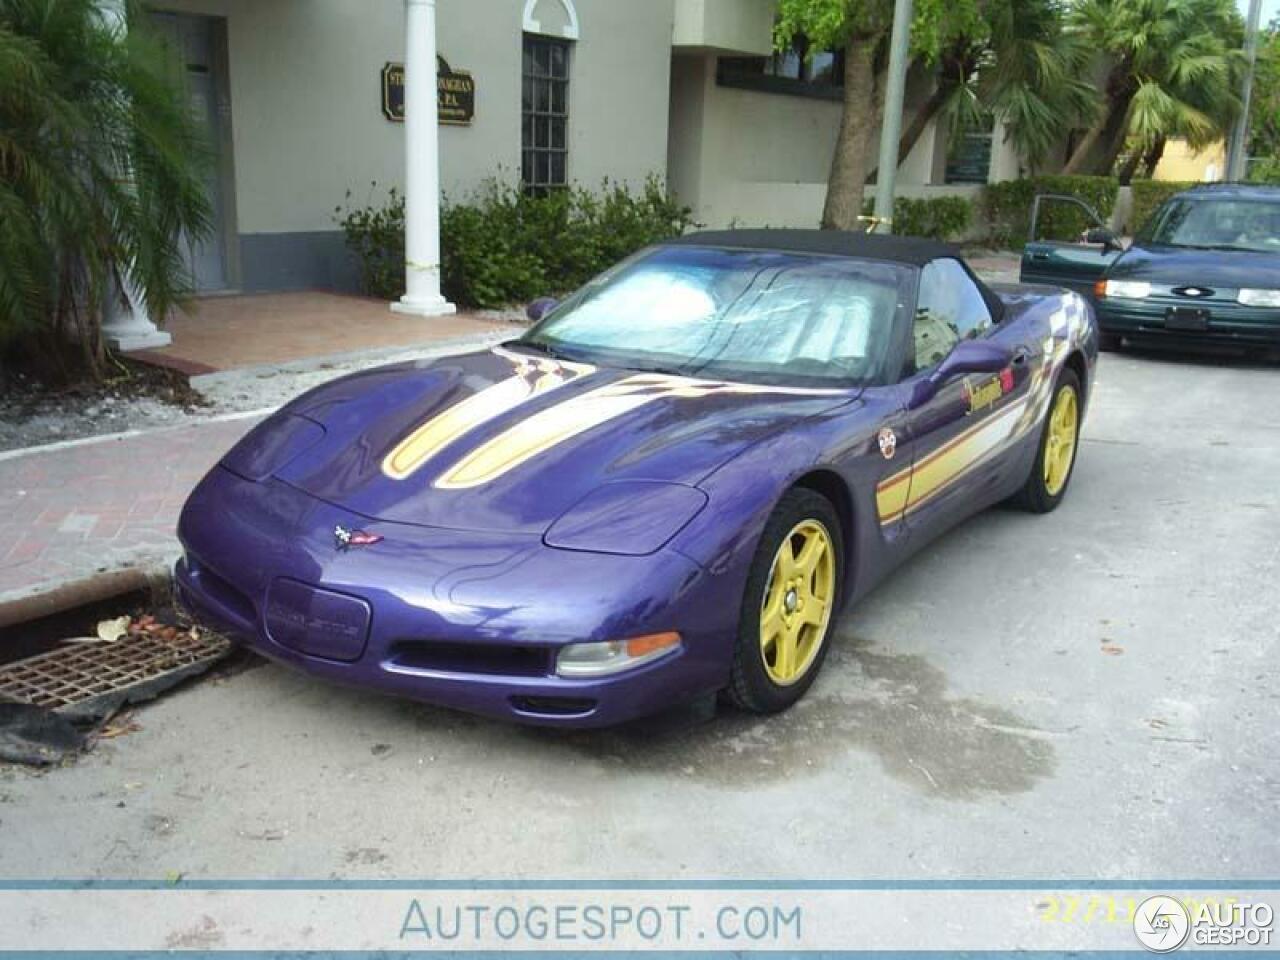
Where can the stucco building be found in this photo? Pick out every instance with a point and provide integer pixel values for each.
(300, 99)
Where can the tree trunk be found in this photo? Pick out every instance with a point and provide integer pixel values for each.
(1086, 146)
(1152, 159)
(922, 118)
(858, 126)
(1113, 139)
(1097, 152)
(1129, 169)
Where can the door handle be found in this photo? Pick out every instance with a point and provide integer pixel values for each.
(1039, 256)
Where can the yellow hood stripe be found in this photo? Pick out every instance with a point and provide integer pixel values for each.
(554, 425)
(533, 377)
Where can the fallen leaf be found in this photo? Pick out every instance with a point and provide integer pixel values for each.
(109, 631)
(1112, 650)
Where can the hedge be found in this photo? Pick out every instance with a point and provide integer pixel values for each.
(506, 246)
(1149, 194)
(1007, 207)
(939, 218)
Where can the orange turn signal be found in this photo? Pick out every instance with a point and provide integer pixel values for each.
(1100, 288)
(651, 643)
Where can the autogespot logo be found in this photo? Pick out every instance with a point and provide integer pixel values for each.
(1162, 924)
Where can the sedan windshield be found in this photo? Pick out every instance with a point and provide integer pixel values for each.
(748, 315)
(1220, 224)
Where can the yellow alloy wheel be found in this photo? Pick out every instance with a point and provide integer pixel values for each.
(1060, 440)
(797, 602)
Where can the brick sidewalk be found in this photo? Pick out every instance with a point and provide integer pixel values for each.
(75, 512)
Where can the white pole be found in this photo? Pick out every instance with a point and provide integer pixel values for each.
(422, 166)
(125, 322)
(1240, 134)
(891, 125)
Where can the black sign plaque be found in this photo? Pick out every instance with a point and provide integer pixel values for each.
(455, 93)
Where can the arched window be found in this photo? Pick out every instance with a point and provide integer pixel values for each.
(533, 23)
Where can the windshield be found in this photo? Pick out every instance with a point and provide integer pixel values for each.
(734, 314)
(1220, 224)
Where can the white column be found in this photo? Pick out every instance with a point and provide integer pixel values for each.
(422, 166)
(125, 322)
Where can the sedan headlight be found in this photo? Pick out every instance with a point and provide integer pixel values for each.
(1127, 289)
(1259, 298)
(613, 656)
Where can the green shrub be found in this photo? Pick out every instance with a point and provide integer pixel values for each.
(1264, 170)
(506, 246)
(1007, 206)
(939, 218)
(376, 236)
(1149, 194)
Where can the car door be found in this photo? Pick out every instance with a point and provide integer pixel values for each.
(960, 434)
(1074, 264)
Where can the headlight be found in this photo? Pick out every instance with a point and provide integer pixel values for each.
(612, 656)
(272, 444)
(1259, 298)
(630, 518)
(1127, 289)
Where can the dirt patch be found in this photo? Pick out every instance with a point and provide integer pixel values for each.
(133, 395)
(894, 706)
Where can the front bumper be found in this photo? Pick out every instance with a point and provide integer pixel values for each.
(1229, 323)
(467, 620)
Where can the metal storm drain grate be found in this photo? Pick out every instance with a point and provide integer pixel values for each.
(73, 676)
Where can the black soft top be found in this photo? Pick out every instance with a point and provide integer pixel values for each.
(914, 251)
(842, 243)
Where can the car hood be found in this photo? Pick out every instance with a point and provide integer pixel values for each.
(1176, 266)
(503, 441)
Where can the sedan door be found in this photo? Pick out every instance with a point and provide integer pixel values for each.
(1076, 265)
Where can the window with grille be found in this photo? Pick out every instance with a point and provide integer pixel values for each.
(544, 136)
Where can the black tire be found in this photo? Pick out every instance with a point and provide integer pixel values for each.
(1109, 342)
(1034, 495)
(750, 686)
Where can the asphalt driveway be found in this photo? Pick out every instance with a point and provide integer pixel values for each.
(1094, 693)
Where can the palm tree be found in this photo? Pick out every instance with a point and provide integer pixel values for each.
(1170, 68)
(1018, 65)
(100, 174)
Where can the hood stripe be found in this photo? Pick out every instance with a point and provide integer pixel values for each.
(574, 416)
(533, 376)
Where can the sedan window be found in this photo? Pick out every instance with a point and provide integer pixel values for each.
(1216, 224)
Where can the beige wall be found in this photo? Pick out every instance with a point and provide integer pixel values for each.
(750, 158)
(737, 26)
(305, 112)
(1180, 162)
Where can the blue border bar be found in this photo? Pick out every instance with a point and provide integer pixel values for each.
(1158, 885)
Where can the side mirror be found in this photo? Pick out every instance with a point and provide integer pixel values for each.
(968, 356)
(539, 308)
(1103, 236)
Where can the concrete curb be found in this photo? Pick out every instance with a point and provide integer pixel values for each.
(46, 599)
(437, 348)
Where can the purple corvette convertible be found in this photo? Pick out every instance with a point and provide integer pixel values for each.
(668, 487)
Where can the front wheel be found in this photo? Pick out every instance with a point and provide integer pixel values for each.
(1059, 440)
(792, 593)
